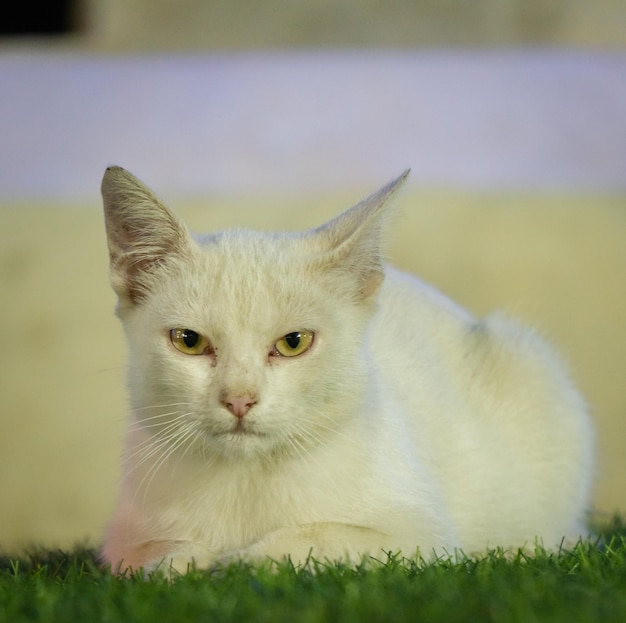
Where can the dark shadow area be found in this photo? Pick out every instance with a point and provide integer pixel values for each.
(52, 17)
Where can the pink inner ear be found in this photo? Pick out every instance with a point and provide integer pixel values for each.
(135, 273)
(372, 283)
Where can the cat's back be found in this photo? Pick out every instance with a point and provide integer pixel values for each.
(418, 338)
(414, 321)
(425, 344)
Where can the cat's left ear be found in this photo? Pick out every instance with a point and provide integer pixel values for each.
(352, 242)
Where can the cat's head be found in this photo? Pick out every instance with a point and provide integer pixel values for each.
(243, 343)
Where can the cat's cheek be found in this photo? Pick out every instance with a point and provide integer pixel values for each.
(192, 374)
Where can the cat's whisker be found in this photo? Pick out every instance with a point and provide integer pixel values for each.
(148, 451)
(182, 436)
(335, 428)
(164, 433)
(208, 458)
(139, 424)
(306, 455)
(165, 405)
(296, 443)
(161, 414)
(155, 443)
(194, 429)
(309, 432)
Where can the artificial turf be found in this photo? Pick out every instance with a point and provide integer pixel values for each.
(586, 583)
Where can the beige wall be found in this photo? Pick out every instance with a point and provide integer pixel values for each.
(246, 24)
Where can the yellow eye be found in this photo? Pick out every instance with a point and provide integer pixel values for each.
(189, 342)
(294, 343)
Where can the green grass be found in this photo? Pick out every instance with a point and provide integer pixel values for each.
(587, 583)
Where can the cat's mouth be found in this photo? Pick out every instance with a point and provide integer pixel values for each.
(244, 429)
(237, 431)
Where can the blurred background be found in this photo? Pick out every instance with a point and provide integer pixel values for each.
(278, 115)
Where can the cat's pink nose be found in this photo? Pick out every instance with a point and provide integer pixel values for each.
(238, 405)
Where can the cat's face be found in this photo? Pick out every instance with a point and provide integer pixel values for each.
(246, 348)
(242, 344)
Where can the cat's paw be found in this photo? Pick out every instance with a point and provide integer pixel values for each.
(180, 562)
(308, 545)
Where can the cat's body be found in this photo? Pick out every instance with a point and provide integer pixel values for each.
(386, 418)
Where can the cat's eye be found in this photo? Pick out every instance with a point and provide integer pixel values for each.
(294, 343)
(189, 342)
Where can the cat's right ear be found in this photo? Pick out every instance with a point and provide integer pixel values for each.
(142, 233)
(351, 243)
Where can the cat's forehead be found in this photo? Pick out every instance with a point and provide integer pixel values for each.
(249, 254)
(247, 279)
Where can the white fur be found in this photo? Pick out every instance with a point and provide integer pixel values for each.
(408, 425)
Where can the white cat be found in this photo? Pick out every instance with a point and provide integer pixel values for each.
(292, 396)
